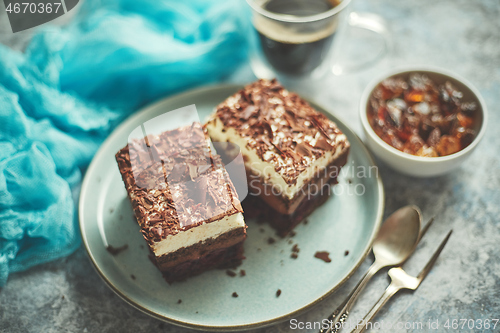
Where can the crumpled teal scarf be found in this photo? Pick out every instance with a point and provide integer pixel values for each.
(62, 97)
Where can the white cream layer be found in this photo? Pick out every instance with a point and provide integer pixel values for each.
(198, 234)
(265, 169)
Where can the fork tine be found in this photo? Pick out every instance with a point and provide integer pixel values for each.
(425, 228)
(432, 261)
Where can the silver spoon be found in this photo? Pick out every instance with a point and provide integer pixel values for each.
(396, 240)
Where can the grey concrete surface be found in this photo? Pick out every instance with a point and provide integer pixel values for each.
(460, 35)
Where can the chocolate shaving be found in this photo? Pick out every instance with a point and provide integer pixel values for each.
(322, 144)
(248, 112)
(148, 139)
(144, 156)
(155, 219)
(177, 173)
(202, 190)
(303, 149)
(193, 171)
(320, 127)
(116, 250)
(203, 168)
(293, 122)
(296, 157)
(147, 202)
(230, 273)
(280, 151)
(156, 153)
(267, 127)
(323, 255)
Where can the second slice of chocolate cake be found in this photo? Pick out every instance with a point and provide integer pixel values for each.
(184, 201)
(292, 152)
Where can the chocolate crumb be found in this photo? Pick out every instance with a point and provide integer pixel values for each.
(346, 253)
(278, 293)
(323, 255)
(306, 221)
(234, 294)
(230, 273)
(111, 210)
(62, 297)
(294, 255)
(179, 301)
(196, 312)
(349, 181)
(116, 250)
(271, 240)
(290, 242)
(132, 276)
(261, 230)
(242, 272)
(292, 233)
(295, 248)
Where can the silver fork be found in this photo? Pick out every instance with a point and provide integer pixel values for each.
(340, 315)
(400, 280)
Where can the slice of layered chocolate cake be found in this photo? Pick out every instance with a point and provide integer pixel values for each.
(184, 201)
(292, 152)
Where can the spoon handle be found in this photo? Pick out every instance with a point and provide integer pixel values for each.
(389, 292)
(342, 312)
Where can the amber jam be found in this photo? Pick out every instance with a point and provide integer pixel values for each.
(421, 118)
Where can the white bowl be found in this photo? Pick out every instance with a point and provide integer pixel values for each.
(416, 165)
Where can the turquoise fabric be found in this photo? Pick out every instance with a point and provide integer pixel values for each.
(63, 95)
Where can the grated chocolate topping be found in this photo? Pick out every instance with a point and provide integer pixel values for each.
(281, 127)
(175, 182)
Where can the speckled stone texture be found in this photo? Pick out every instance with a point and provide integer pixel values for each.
(460, 35)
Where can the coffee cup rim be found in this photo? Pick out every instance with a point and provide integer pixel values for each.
(296, 19)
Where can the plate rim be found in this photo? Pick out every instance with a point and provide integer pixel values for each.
(86, 183)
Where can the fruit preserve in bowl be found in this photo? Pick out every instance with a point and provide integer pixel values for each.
(422, 121)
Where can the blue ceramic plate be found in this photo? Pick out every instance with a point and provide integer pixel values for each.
(349, 221)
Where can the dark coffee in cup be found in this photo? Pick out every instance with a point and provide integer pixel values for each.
(292, 48)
